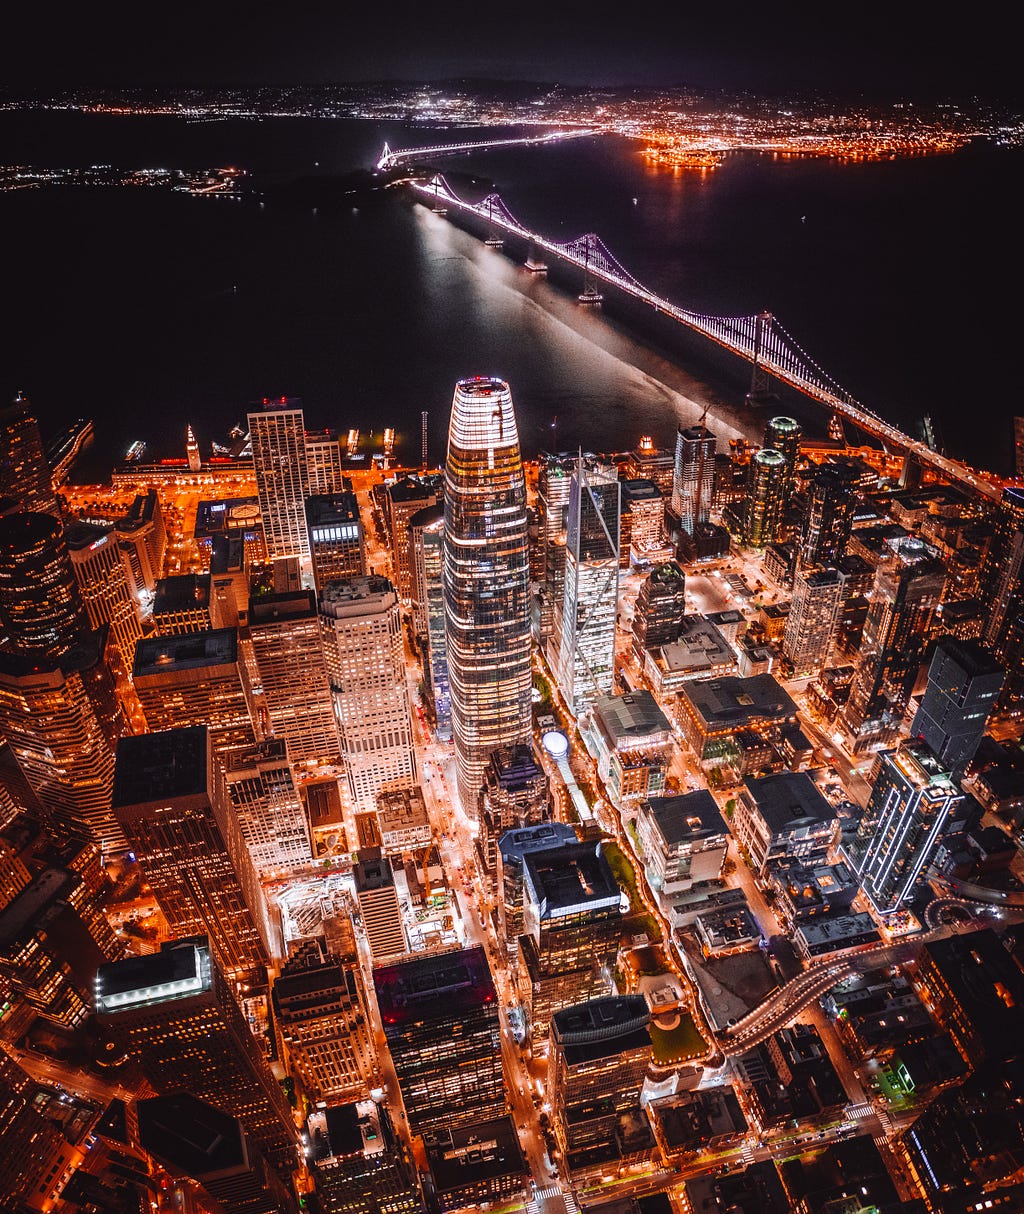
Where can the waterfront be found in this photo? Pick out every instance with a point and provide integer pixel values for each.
(177, 309)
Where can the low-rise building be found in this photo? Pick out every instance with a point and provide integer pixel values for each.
(631, 738)
(835, 934)
(782, 815)
(475, 1165)
(712, 712)
(699, 651)
(683, 841)
(402, 819)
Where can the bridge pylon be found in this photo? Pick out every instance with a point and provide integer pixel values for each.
(590, 295)
(761, 392)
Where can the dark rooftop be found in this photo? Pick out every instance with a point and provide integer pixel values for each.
(567, 879)
(159, 766)
(692, 815)
(788, 799)
(474, 1153)
(732, 701)
(185, 651)
(183, 592)
(177, 961)
(279, 608)
(443, 987)
(327, 509)
(191, 1135)
(515, 844)
(635, 715)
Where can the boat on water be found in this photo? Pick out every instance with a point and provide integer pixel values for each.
(136, 451)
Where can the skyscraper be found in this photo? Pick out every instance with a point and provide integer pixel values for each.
(828, 519)
(907, 590)
(320, 1015)
(335, 537)
(378, 904)
(660, 608)
(572, 923)
(515, 793)
(767, 483)
(264, 799)
(62, 720)
(813, 617)
(783, 434)
(903, 821)
(24, 472)
(440, 1017)
(195, 678)
(693, 481)
(486, 579)
(168, 799)
(182, 1021)
(103, 584)
(1002, 587)
(277, 433)
(364, 648)
(289, 653)
(964, 681)
(587, 653)
(426, 558)
(41, 608)
(554, 479)
(597, 1061)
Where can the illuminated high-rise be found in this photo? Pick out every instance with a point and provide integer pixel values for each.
(103, 583)
(335, 537)
(903, 822)
(818, 597)
(486, 579)
(174, 812)
(41, 608)
(554, 480)
(426, 558)
(182, 1021)
(277, 434)
(364, 647)
(828, 518)
(783, 434)
(768, 479)
(440, 1018)
(693, 481)
(289, 654)
(1002, 588)
(264, 799)
(62, 720)
(590, 598)
(24, 473)
(900, 620)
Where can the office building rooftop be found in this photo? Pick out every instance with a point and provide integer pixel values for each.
(185, 651)
(570, 880)
(443, 986)
(160, 766)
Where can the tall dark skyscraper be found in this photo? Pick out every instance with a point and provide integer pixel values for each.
(828, 520)
(41, 606)
(660, 608)
(486, 580)
(1002, 588)
(440, 1017)
(24, 473)
(964, 681)
(907, 590)
(181, 1019)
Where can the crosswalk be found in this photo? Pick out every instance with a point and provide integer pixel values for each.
(539, 1196)
(748, 1153)
(855, 1112)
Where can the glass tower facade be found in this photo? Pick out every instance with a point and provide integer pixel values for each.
(903, 821)
(486, 580)
(767, 488)
(693, 480)
(590, 597)
(279, 458)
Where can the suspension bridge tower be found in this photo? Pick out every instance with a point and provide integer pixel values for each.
(761, 393)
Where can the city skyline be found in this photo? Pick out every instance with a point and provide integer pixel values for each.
(559, 752)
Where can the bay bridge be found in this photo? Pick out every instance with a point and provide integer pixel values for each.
(759, 339)
(390, 158)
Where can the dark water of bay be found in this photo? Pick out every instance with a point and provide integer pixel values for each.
(147, 310)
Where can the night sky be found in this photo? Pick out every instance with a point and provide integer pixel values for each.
(886, 50)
